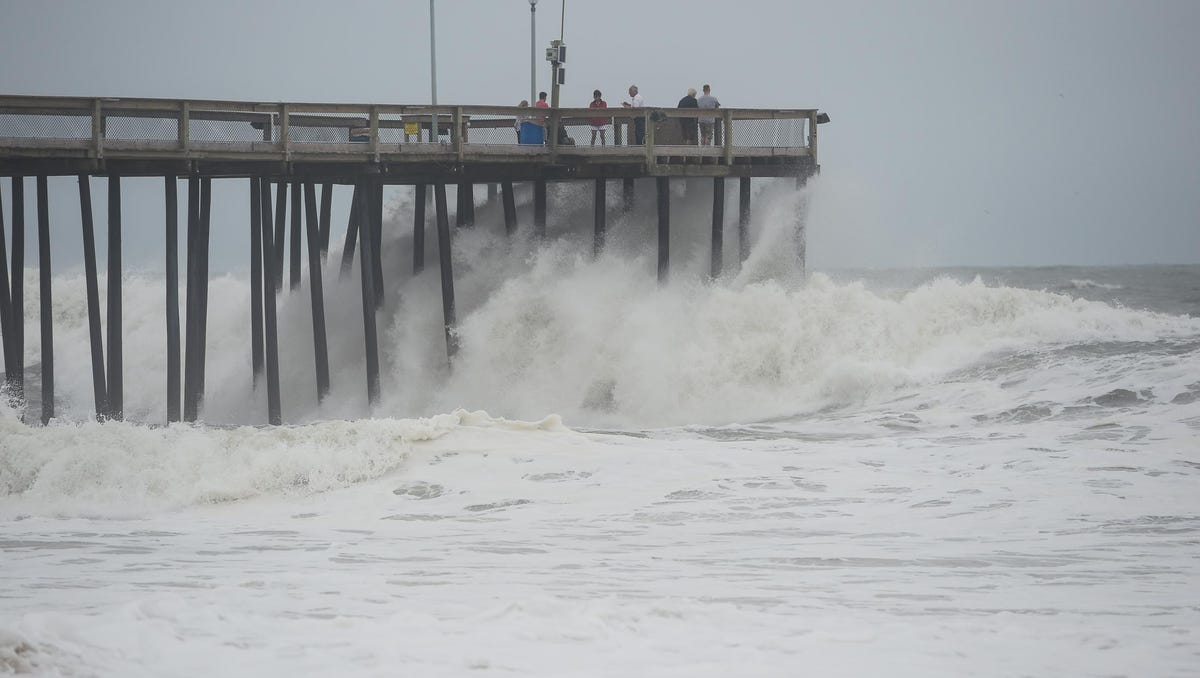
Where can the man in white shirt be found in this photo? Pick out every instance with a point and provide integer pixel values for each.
(707, 100)
(639, 123)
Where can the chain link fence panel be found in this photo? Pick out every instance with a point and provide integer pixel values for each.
(782, 133)
(19, 126)
(140, 129)
(229, 131)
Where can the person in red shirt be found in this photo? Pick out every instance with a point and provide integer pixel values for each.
(542, 103)
(598, 124)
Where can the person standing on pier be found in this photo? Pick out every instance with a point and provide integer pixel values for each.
(707, 100)
(639, 123)
(689, 124)
(517, 120)
(598, 124)
(542, 103)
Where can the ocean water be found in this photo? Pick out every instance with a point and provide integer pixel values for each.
(904, 472)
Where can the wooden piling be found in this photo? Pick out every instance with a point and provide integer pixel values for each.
(447, 271)
(280, 230)
(270, 324)
(464, 216)
(539, 208)
(326, 215)
(6, 336)
(197, 285)
(116, 351)
(15, 378)
(351, 235)
(316, 291)
(744, 217)
(598, 217)
(419, 229)
(510, 207)
(366, 261)
(191, 290)
(294, 259)
(46, 301)
(664, 227)
(95, 335)
(256, 284)
(627, 195)
(171, 191)
(376, 221)
(718, 227)
(202, 306)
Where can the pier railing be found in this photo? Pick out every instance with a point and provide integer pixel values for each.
(40, 127)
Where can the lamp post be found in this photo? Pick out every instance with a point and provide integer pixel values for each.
(433, 123)
(532, 51)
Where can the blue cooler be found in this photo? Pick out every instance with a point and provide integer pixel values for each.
(532, 133)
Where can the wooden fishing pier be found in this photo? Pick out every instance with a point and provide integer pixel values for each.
(303, 146)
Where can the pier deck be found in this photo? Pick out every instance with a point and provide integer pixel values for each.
(155, 137)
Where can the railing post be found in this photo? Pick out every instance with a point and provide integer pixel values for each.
(97, 128)
(552, 130)
(185, 123)
(456, 133)
(649, 138)
(374, 144)
(812, 135)
(284, 133)
(727, 126)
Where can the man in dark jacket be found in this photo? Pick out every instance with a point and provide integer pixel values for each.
(689, 124)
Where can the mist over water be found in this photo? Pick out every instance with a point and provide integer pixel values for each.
(545, 328)
(862, 467)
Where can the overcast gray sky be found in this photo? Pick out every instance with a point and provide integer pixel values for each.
(964, 132)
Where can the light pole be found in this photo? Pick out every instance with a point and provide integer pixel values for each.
(432, 56)
(433, 123)
(532, 51)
